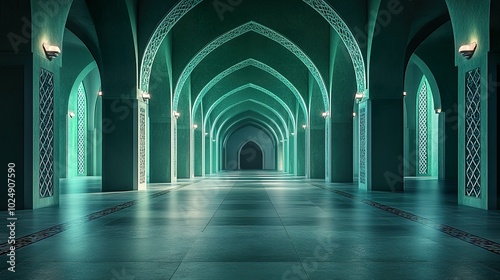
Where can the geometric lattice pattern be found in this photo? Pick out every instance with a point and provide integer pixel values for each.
(473, 133)
(264, 31)
(248, 63)
(182, 8)
(345, 34)
(362, 145)
(142, 146)
(247, 86)
(423, 129)
(174, 152)
(81, 129)
(46, 144)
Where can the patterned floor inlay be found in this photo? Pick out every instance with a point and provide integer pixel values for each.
(473, 239)
(51, 231)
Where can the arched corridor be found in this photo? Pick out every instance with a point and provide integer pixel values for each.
(358, 121)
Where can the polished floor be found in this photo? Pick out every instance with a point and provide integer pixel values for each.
(256, 225)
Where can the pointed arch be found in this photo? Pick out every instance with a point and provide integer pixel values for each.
(261, 89)
(250, 63)
(345, 34)
(243, 29)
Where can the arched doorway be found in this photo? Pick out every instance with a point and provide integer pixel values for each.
(251, 157)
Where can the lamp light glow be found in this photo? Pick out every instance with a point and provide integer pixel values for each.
(99, 93)
(71, 114)
(358, 96)
(195, 126)
(404, 93)
(304, 126)
(438, 111)
(354, 114)
(325, 114)
(176, 114)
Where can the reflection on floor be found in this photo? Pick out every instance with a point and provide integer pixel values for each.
(256, 225)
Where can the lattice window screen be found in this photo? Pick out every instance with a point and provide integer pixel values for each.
(423, 129)
(473, 133)
(46, 144)
(142, 146)
(81, 130)
(362, 145)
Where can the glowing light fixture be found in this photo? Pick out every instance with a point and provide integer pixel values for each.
(71, 114)
(404, 93)
(51, 51)
(325, 114)
(146, 96)
(99, 93)
(354, 114)
(438, 111)
(304, 126)
(468, 50)
(293, 133)
(206, 133)
(176, 114)
(358, 96)
(195, 126)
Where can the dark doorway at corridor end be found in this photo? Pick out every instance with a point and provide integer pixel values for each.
(251, 157)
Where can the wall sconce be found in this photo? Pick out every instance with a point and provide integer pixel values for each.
(358, 96)
(467, 51)
(176, 114)
(195, 126)
(354, 114)
(293, 133)
(71, 114)
(146, 96)
(304, 126)
(404, 93)
(99, 93)
(438, 111)
(206, 133)
(325, 114)
(51, 51)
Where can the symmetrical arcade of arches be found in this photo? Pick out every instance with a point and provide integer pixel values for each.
(161, 91)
